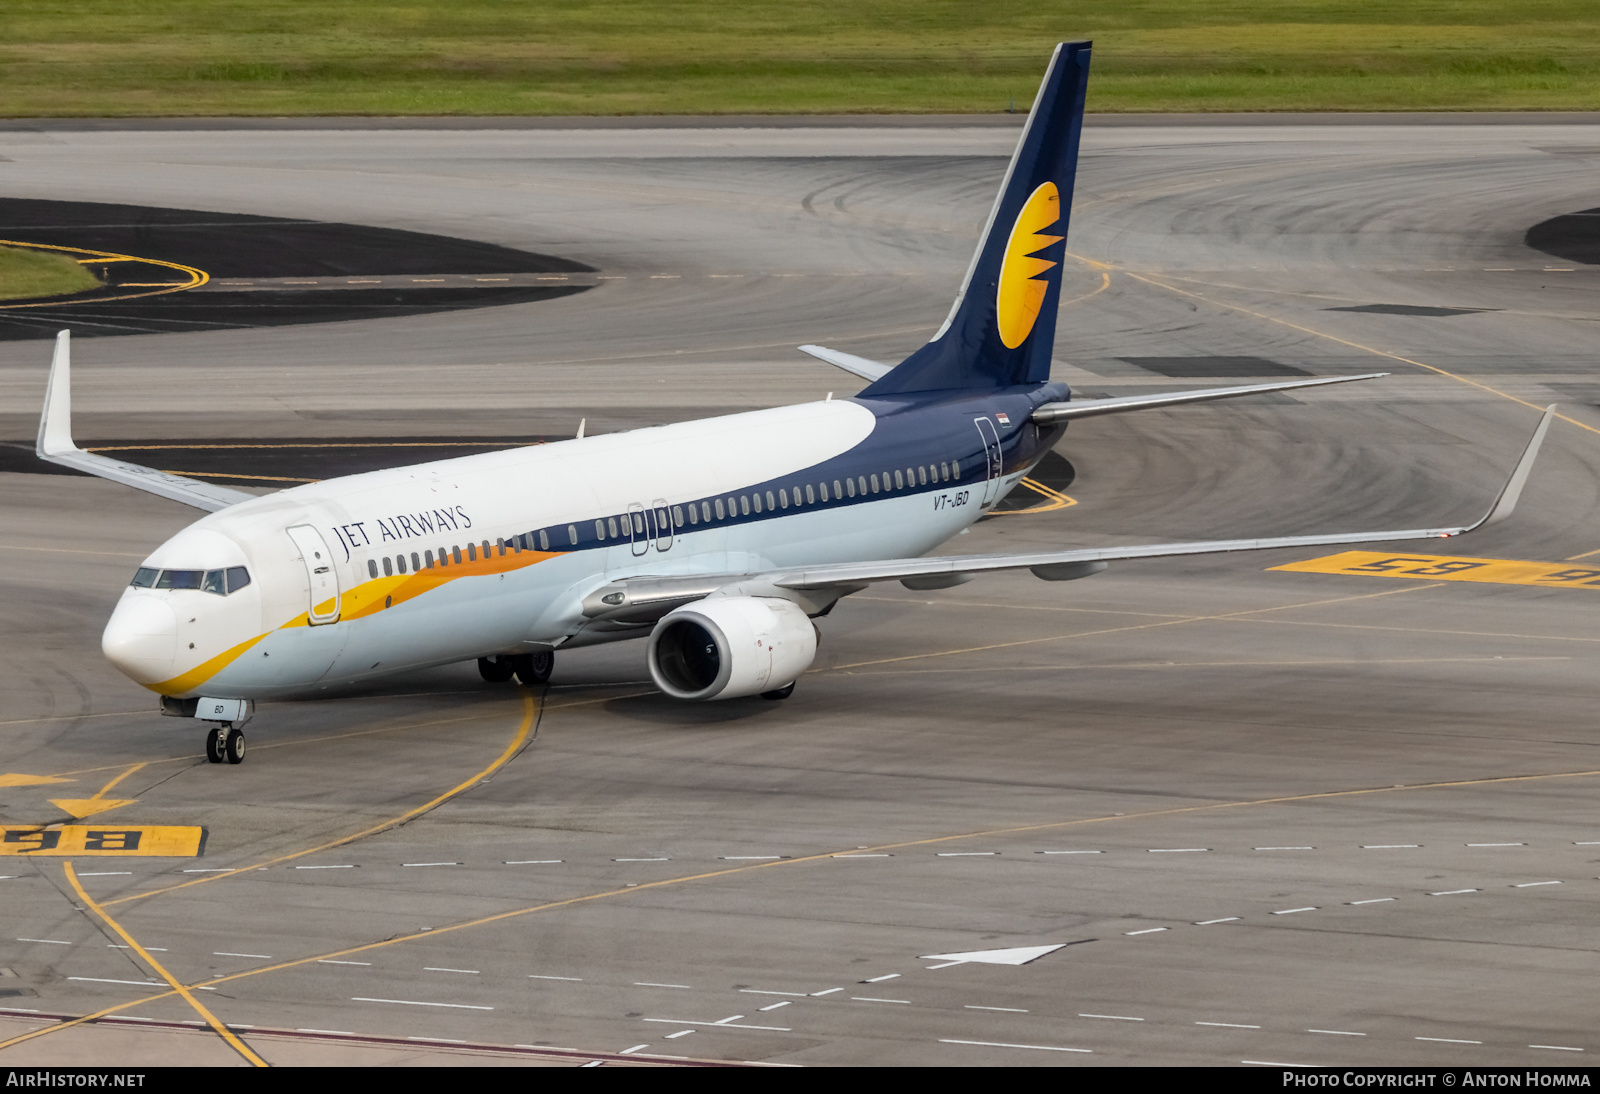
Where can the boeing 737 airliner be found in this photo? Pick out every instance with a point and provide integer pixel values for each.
(720, 540)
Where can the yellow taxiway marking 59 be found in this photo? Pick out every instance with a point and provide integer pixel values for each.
(1497, 571)
(142, 840)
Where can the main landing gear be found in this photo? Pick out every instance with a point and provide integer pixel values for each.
(224, 743)
(529, 668)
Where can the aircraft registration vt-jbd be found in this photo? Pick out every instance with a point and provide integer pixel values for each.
(721, 540)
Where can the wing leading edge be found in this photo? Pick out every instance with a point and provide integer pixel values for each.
(55, 445)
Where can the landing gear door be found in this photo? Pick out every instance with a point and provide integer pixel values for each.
(324, 606)
(991, 445)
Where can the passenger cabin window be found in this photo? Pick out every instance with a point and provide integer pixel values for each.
(400, 564)
(811, 498)
(544, 540)
(874, 484)
(744, 505)
(416, 563)
(455, 555)
(611, 525)
(720, 514)
(572, 534)
(756, 503)
(388, 567)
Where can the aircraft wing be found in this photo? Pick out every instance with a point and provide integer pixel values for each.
(55, 445)
(942, 572)
(860, 366)
(1048, 413)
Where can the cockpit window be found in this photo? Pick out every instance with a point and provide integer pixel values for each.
(219, 582)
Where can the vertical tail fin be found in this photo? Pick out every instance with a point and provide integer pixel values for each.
(1001, 330)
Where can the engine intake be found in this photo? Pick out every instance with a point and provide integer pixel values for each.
(729, 647)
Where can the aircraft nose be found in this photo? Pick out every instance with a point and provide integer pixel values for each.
(141, 639)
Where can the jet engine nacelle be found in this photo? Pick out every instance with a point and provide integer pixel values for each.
(726, 647)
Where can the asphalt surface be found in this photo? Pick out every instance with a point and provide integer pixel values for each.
(1268, 816)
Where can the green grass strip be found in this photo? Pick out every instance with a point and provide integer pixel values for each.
(27, 273)
(543, 57)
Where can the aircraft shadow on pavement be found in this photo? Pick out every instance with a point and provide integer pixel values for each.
(173, 270)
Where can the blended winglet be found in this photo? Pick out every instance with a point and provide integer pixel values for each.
(55, 445)
(1512, 490)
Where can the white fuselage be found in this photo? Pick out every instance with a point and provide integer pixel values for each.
(495, 553)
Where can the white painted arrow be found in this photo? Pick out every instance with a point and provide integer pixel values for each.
(1019, 955)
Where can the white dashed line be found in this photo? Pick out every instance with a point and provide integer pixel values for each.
(647, 984)
(869, 999)
(1374, 900)
(1006, 1010)
(881, 979)
(1225, 919)
(1147, 930)
(474, 972)
(752, 858)
(431, 864)
(641, 860)
(103, 980)
(1497, 845)
(331, 961)
(346, 866)
(759, 991)
(418, 1003)
(1003, 1044)
(1586, 843)
(1531, 884)
(1275, 1063)
(824, 991)
(863, 856)
(725, 1023)
(1069, 852)
(624, 1052)
(212, 870)
(1292, 911)
(1337, 1032)
(116, 946)
(496, 279)
(46, 941)
(533, 862)
(1227, 1025)
(775, 1006)
(1558, 1048)
(536, 976)
(1176, 850)
(335, 1032)
(1285, 848)
(1387, 846)
(680, 1033)
(439, 1040)
(965, 854)
(1112, 1017)
(1449, 1040)
(1454, 892)
(109, 873)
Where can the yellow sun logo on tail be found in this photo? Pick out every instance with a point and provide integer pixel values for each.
(1022, 288)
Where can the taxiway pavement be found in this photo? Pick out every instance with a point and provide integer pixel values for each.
(1271, 816)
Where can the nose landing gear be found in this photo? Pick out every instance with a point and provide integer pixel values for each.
(224, 743)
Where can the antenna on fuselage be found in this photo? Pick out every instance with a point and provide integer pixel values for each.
(581, 423)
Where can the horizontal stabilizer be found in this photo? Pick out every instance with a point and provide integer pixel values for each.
(860, 366)
(1049, 413)
(55, 445)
